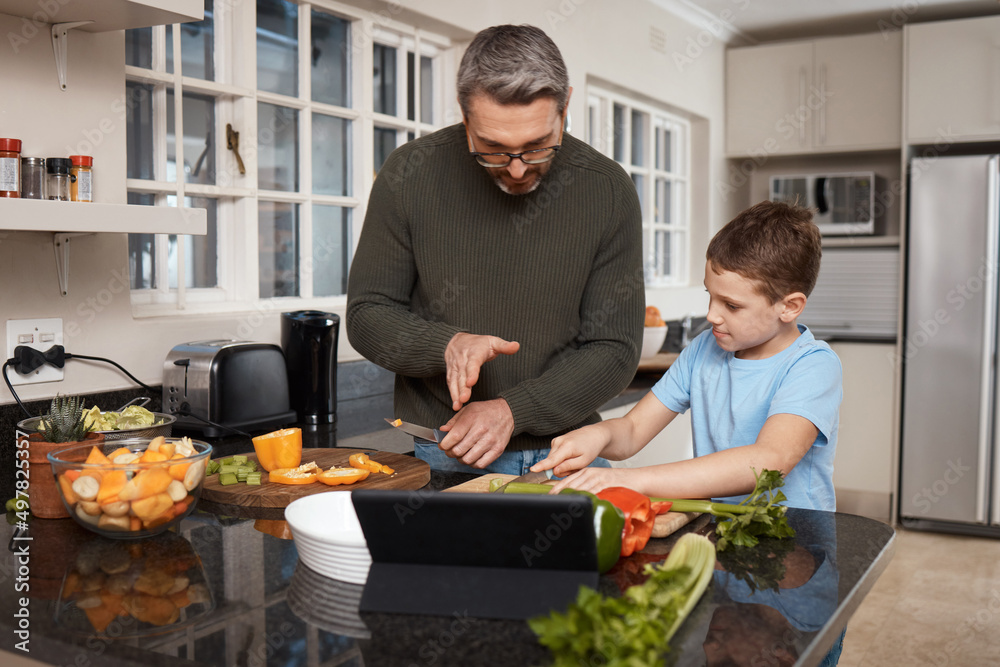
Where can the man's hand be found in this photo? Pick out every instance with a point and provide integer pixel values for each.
(479, 433)
(574, 450)
(464, 356)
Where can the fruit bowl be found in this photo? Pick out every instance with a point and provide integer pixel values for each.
(652, 340)
(131, 488)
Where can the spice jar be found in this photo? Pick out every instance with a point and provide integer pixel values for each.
(57, 185)
(33, 178)
(10, 167)
(81, 187)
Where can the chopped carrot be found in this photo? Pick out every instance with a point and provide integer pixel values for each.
(135, 523)
(179, 470)
(167, 449)
(97, 456)
(72, 474)
(67, 488)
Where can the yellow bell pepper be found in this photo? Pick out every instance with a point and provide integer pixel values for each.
(336, 476)
(279, 449)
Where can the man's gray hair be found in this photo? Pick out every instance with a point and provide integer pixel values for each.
(513, 65)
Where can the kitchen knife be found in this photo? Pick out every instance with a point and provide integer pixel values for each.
(529, 478)
(422, 432)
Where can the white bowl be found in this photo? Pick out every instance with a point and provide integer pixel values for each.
(328, 536)
(328, 517)
(652, 340)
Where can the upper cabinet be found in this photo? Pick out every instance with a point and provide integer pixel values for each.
(105, 15)
(953, 81)
(826, 95)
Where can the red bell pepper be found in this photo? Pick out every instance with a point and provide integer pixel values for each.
(640, 514)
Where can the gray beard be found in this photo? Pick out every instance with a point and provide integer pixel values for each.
(504, 188)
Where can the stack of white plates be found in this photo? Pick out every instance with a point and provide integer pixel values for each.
(328, 536)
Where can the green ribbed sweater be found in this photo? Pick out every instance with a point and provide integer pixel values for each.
(559, 270)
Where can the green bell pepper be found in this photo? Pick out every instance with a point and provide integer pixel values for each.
(609, 522)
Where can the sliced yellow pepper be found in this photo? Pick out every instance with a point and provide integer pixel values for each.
(336, 476)
(304, 474)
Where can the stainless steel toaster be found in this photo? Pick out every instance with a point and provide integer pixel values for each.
(217, 385)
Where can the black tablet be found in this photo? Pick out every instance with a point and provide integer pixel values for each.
(480, 555)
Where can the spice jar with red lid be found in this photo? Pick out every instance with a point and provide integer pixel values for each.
(81, 186)
(10, 167)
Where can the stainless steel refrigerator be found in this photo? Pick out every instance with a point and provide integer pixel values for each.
(950, 419)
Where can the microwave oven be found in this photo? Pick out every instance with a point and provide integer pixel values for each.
(842, 204)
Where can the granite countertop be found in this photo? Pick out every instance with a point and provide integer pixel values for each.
(264, 607)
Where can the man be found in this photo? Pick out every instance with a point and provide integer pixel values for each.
(499, 270)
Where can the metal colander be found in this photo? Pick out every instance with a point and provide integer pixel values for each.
(163, 424)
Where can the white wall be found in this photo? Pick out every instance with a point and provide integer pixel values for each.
(608, 41)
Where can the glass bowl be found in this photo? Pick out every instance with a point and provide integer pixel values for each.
(131, 488)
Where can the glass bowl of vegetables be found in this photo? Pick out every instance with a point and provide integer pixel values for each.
(131, 488)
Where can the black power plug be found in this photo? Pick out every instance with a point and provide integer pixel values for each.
(27, 359)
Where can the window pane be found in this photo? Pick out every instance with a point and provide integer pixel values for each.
(664, 149)
(331, 155)
(640, 188)
(170, 49)
(385, 143)
(139, 47)
(199, 138)
(277, 148)
(139, 130)
(384, 84)
(638, 139)
(663, 254)
(331, 249)
(197, 46)
(141, 249)
(426, 90)
(619, 132)
(411, 87)
(277, 47)
(278, 248)
(201, 259)
(663, 201)
(330, 59)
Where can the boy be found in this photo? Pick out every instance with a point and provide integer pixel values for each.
(763, 392)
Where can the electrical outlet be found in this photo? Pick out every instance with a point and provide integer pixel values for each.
(41, 335)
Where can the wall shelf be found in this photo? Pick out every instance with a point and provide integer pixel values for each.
(37, 215)
(107, 15)
(66, 220)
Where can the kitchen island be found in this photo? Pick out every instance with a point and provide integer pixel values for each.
(252, 602)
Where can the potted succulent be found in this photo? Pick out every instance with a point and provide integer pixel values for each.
(62, 427)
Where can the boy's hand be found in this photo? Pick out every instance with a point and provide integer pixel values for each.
(594, 480)
(574, 450)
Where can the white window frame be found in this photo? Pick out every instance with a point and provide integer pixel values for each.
(601, 135)
(236, 195)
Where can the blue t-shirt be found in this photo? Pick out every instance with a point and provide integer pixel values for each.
(730, 399)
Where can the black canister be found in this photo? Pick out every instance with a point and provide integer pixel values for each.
(309, 340)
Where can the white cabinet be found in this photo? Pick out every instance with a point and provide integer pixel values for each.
(824, 95)
(953, 81)
(862, 474)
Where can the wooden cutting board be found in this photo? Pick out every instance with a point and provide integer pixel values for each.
(664, 525)
(411, 473)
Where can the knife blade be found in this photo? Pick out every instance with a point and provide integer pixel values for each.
(529, 478)
(431, 434)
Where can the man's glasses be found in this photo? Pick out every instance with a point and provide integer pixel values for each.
(497, 160)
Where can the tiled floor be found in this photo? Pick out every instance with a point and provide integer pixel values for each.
(937, 604)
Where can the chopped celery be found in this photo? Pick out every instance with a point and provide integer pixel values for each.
(227, 478)
(253, 478)
(240, 459)
(212, 467)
